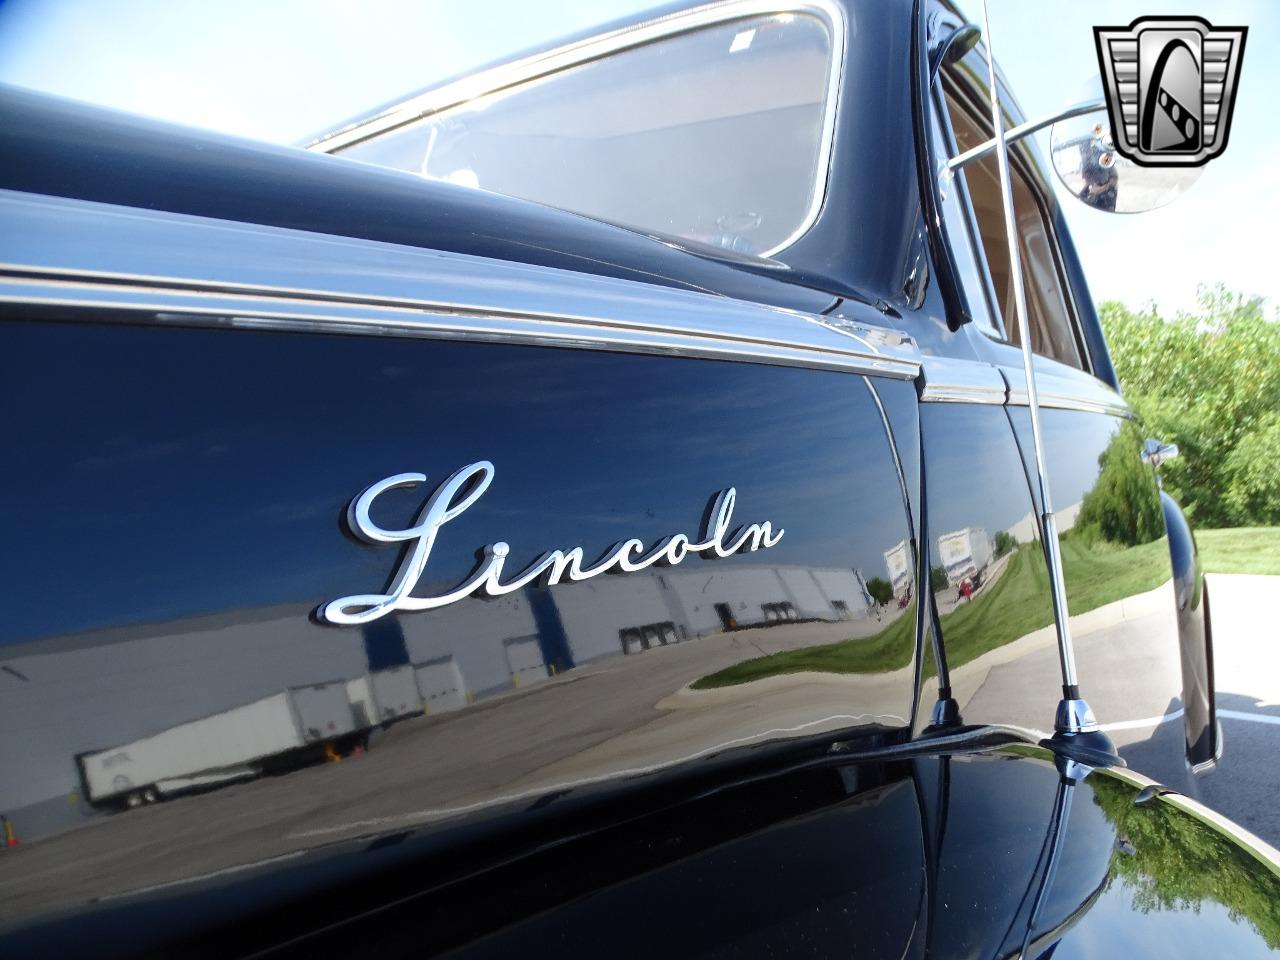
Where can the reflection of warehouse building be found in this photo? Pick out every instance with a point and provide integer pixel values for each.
(145, 698)
(600, 616)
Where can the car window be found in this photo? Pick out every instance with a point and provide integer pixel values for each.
(716, 135)
(1049, 313)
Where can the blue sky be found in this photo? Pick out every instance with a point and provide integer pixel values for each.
(283, 69)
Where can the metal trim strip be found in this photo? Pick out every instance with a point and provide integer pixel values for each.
(1078, 391)
(948, 380)
(171, 268)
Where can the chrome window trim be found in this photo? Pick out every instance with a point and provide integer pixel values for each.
(573, 54)
(992, 324)
(178, 269)
(1026, 157)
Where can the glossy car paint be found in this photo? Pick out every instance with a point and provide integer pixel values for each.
(574, 778)
(938, 857)
(190, 491)
(1191, 600)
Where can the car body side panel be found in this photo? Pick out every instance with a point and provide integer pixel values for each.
(179, 495)
(1120, 589)
(987, 571)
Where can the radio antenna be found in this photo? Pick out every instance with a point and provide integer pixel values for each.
(1075, 727)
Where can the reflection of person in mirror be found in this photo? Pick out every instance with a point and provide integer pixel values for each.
(1101, 182)
(966, 590)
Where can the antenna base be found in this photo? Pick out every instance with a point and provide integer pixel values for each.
(1078, 737)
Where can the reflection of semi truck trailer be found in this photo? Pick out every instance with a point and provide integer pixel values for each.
(226, 746)
(965, 554)
(382, 696)
(897, 561)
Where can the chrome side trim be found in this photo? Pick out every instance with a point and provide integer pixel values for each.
(947, 380)
(1076, 391)
(633, 35)
(177, 269)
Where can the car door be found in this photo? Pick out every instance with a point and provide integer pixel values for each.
(1108, 510)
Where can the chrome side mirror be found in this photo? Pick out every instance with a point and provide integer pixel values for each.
(1156, 452)
(1082, 147)
(1086, 160)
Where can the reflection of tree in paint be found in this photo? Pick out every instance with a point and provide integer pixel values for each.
(1005, 541)
(1171, 861)
(881, 590)
(1123, 506)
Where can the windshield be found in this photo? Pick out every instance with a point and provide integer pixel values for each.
(716, 135)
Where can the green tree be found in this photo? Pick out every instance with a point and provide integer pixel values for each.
(881, 590)
(938, 578)
(1005, 542)
(1253, 474)
(1208, 381)
(1122, 506)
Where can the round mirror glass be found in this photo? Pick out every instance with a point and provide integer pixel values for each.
(1087, 163)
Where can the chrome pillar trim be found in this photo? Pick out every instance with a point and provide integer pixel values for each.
(1077, 391)
(602, 45)
(945, 380)
(1049, 531)
(126, 263)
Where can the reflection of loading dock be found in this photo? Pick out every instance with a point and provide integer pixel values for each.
(637, 639)
(524, 657)
(440, 685)
(779, 612)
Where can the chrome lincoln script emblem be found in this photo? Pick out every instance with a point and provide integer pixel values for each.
(464, 488)
(1171, 86)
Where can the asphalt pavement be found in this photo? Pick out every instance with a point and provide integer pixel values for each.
(1246, 637)
(1246, 782)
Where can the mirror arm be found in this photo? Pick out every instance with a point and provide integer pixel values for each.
(1020, 132)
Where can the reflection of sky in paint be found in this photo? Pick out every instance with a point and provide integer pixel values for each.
(1074, 441)
(974, 476)
(185, 472)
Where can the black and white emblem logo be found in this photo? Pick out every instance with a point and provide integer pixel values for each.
(1171, 84)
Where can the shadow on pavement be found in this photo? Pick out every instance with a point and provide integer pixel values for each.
(1246, 783)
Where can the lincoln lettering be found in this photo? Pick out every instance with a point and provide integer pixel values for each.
(463, 489)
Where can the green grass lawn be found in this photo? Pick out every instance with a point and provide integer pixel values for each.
(1240, 550)
(887, 650)
(1101, 573)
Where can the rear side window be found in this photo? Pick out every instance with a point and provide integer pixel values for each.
(1049, 313)
(717, 135)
